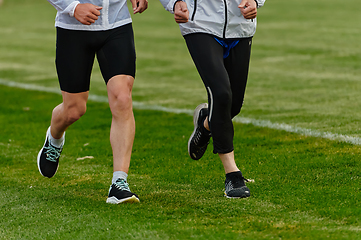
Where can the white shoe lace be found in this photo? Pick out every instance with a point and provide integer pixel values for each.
(52, 153)
(122, 185)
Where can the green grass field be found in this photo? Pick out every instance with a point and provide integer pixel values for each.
(305, 72)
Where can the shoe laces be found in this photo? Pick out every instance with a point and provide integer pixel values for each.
(52, 153)
(121, 184)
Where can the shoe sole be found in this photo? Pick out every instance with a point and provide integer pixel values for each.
(246, 194)
(195, 123)
(114, 200)
(243, 196)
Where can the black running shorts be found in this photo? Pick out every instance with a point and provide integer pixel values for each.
(76, 49)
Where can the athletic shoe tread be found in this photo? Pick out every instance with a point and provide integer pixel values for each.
(199, 139)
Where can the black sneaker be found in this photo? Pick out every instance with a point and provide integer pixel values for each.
(235, 186)
(48, 158)
(119, 192)
(199, 140)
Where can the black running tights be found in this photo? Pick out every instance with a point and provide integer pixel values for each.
(225, 81)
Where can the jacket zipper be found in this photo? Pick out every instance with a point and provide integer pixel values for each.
(194, 11)
(225, 18)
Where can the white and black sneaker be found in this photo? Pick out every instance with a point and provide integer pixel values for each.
(199, 140)
(119, 192)
(48, 158)
(235, 186)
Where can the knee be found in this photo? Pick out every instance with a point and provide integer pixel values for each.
(120, 94)
(223, 97)
(236, 108)
(73, 113)
(121, 102)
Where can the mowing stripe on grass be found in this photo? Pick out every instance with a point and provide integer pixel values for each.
(238, 119)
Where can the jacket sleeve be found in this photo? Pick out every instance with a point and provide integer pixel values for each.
(260, 3)
(64, 6)
(168, 5)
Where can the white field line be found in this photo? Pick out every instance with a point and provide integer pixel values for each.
(238, 119)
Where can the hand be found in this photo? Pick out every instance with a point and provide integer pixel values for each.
(87, 13)
(248, 9)
(181, 14)
(139, 6)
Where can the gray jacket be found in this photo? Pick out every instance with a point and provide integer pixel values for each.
(221, 18)
(115, 13)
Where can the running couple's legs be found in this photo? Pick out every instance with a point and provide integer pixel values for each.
(116, 57)
(225, 81)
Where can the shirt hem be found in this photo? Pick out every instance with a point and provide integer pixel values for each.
(92, 27)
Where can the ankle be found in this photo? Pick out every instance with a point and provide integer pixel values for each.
(56, 142)
(205, 127)
(119, 174)
(206, 124)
